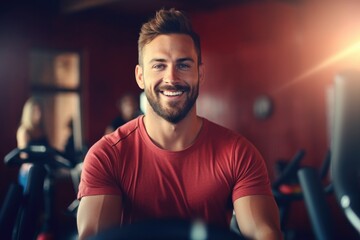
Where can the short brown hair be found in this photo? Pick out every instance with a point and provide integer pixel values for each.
(167, 22)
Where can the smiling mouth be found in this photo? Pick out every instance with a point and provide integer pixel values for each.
(172, 93)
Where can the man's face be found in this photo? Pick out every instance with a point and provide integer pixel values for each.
(170, 75)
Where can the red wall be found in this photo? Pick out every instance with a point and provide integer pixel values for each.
(290, 53)
(257, 49)
(248, 50)
(109, 50)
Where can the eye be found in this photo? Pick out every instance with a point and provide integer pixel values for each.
(159, 66)
(183, 66)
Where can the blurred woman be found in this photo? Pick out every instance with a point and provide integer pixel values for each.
(30, 132)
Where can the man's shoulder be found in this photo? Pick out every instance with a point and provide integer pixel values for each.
(123, 132)
(219, 134)
(220, 130)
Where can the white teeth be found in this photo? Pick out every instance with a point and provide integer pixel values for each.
(167, 93)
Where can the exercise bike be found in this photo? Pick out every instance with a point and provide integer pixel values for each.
(287, 188)
(26, 209)
(164, 229)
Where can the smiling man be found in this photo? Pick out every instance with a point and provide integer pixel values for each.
(172, 163)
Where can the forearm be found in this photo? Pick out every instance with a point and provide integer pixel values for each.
(258, 217)
(268, 234)
(98, 213)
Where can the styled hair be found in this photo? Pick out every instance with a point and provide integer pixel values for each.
(27, 113)
(167, 22)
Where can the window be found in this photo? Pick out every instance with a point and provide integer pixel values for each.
(56, 79)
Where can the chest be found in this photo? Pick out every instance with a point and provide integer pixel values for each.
(190, 182)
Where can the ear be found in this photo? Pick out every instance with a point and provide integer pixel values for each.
(201, 73)
(139, 76)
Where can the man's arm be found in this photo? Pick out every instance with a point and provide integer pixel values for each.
(97, 213)
(258, 217)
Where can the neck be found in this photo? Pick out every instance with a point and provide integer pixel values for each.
(171, 136)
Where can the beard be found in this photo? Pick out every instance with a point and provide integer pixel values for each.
(175, 111)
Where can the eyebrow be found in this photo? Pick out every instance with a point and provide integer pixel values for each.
(177, 60)
(185, 59)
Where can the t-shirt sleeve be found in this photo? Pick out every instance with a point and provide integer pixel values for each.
(97, 176)
(251, 176)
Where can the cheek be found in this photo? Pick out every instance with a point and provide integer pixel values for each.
(192, 80)
(153, 75)
(151, 79)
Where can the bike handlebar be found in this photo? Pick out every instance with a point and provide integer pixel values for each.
(38, 154)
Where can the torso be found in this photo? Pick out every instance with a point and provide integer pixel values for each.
(197, 182)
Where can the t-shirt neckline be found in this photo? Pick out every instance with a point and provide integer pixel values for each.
(151, 145)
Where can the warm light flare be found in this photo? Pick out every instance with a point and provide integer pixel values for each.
(326, 63)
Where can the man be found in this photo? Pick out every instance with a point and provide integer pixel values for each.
(128, 108)
(172, 163)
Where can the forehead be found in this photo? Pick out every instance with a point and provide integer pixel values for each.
(169, 46)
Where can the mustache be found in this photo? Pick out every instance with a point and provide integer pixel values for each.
(176, 87)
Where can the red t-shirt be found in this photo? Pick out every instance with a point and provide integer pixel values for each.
(201, 181)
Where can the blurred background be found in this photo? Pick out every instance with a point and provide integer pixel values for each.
(269, 71)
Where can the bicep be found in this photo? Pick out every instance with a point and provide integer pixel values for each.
(258, 217)
(97, 213)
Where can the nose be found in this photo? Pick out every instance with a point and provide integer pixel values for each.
(170, 74)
